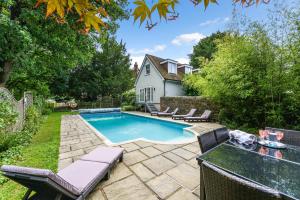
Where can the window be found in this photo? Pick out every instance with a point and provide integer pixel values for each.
(142, 95)
(148, 94)
(172, 68)
(188, 70)
(147, 69)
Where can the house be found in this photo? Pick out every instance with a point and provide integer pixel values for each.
(159, 77)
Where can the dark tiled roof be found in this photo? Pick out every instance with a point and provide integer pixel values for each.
(163, 68)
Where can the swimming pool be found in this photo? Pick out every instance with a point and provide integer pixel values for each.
(124, 127)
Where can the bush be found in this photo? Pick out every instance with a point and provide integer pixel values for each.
(8, 116)
(129, 108)
(129, 98)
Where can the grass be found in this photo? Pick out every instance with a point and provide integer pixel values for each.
(41, 153)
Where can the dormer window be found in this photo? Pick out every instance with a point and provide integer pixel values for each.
(172, 68)
(147, 69)
(188, 69)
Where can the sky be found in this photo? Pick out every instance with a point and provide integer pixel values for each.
(175, 39)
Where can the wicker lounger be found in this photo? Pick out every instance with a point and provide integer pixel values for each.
(203, 118)
(161, 114)
(190, 114)
(165, 111)
(73, 182)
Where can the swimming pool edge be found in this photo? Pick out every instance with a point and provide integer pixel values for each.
(108, 142)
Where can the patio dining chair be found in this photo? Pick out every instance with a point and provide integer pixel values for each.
(207, 141)
(220, 185)
(221, 135)
(291, 137)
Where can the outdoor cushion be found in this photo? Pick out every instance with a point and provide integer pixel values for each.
(84, 174)
(42, 173)
(104, 154)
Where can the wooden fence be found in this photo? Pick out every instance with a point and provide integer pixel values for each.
(19, 106)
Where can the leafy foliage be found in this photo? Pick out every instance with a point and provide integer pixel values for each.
(167, 9)
(108, 74)
(205, 48)
(254, 77)
(8, 116)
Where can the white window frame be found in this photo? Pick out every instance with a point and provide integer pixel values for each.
(147, 68)
(172, 68)
(188, 70)
(142, 95)
(148, 93)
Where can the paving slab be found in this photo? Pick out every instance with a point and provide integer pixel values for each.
(142, 172)
(64, 163)
(163, 185)
(194, 163)
(184, 153)
(165, 147)
(186, 175)
(130, 147)
(96, 195)
(173, 157)
(159, 164)
(150, 151)
(143, 144)
(134, 157)
(81, 145)
(192, 148)
(71, 154)
(197, 191)
(119, 172)
(183, 194)
(129, 188)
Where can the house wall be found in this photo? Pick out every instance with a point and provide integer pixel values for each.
(154, 79)
(174, 88)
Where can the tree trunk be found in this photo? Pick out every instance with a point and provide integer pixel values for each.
(4, 74)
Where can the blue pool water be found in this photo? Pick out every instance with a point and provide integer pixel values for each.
(122, 127)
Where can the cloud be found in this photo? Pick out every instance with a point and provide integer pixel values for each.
(187, 38)
(215, 21)
(138, 59)
(183, 60)
(156, 48)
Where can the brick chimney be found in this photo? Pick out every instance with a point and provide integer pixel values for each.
(136, 69)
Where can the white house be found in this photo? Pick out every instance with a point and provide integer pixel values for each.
(159, 77)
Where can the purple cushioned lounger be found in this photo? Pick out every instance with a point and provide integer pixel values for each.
(76, 181)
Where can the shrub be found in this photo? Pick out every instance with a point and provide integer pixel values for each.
(8, 116)
(129, 108)
(129, 97)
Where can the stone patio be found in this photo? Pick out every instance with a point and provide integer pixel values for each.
(149, 171)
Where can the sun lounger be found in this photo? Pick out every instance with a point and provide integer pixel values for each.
(203, 118)
(162, 114)
(190, 114)
(165, 111)
(73, 182)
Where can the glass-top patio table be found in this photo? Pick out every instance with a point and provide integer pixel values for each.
(277, 169)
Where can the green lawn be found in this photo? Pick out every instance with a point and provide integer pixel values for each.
(41, 153)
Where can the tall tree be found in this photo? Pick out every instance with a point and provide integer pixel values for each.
(25, 33)
(205, 49)
(109, 73)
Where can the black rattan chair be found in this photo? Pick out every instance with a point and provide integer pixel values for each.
(291, 137)
(220, 185)
(207, 141)
(221, 135)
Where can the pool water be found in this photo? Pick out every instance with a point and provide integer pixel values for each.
(122, 127)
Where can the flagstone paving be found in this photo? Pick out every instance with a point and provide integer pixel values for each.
(149, 171)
